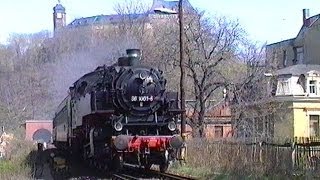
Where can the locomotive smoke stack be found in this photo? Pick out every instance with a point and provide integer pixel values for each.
(132, 59)
(134, 56)
(134, 53)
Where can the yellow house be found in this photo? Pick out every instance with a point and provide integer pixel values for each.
(297, 65)
(298, 88)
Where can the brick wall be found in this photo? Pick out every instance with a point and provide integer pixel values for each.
(33, 125)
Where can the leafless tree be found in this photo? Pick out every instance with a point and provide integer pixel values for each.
(132, 7)
(209, 42)
(254, 108)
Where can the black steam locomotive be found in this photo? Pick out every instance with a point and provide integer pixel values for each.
(120, 113)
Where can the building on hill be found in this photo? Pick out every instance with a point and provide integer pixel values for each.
(160, 9)
(59, 17)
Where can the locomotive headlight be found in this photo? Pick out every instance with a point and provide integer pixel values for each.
(172, 126)
(118, 126)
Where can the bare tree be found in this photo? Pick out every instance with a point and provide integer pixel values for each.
(132, 7)
(23, 87)
(253, 106)
(209, 42)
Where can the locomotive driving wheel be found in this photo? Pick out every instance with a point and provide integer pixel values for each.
(164, 162)
(117, 162)
(163, 166)
(146, 164)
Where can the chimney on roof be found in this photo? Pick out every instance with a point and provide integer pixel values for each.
(305, 16)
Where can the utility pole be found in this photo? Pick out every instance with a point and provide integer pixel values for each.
(182, 71)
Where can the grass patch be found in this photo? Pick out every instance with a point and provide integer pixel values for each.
(16, 164)
(221, 160)
(14, 170)
(196, 172)
(7, 167)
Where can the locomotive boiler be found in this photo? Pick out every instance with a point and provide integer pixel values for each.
(120, 113)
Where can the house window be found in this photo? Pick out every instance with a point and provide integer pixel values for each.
(314, 125)
(283, 87)
(284, 58)
(312, 87)
(299, 55)
(218, 131)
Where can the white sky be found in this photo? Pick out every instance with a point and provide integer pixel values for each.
(264, 20)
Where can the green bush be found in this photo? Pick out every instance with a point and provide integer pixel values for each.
(16, 164)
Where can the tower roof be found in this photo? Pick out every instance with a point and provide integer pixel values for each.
(59, 9)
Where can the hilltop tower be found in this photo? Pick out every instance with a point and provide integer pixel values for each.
(59, 17)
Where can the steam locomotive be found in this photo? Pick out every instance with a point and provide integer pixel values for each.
(120, 113)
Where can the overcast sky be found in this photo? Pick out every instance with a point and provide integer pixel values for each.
(264, 20)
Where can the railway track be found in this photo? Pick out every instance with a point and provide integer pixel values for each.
(79, 170)
(170, 176)
(162, 176)
(135, 172)
(121, 176)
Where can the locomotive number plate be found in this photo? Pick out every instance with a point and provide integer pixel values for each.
(141, 98)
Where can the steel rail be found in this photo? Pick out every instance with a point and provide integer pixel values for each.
(157, 174)
(170, 176)
(123, 177)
